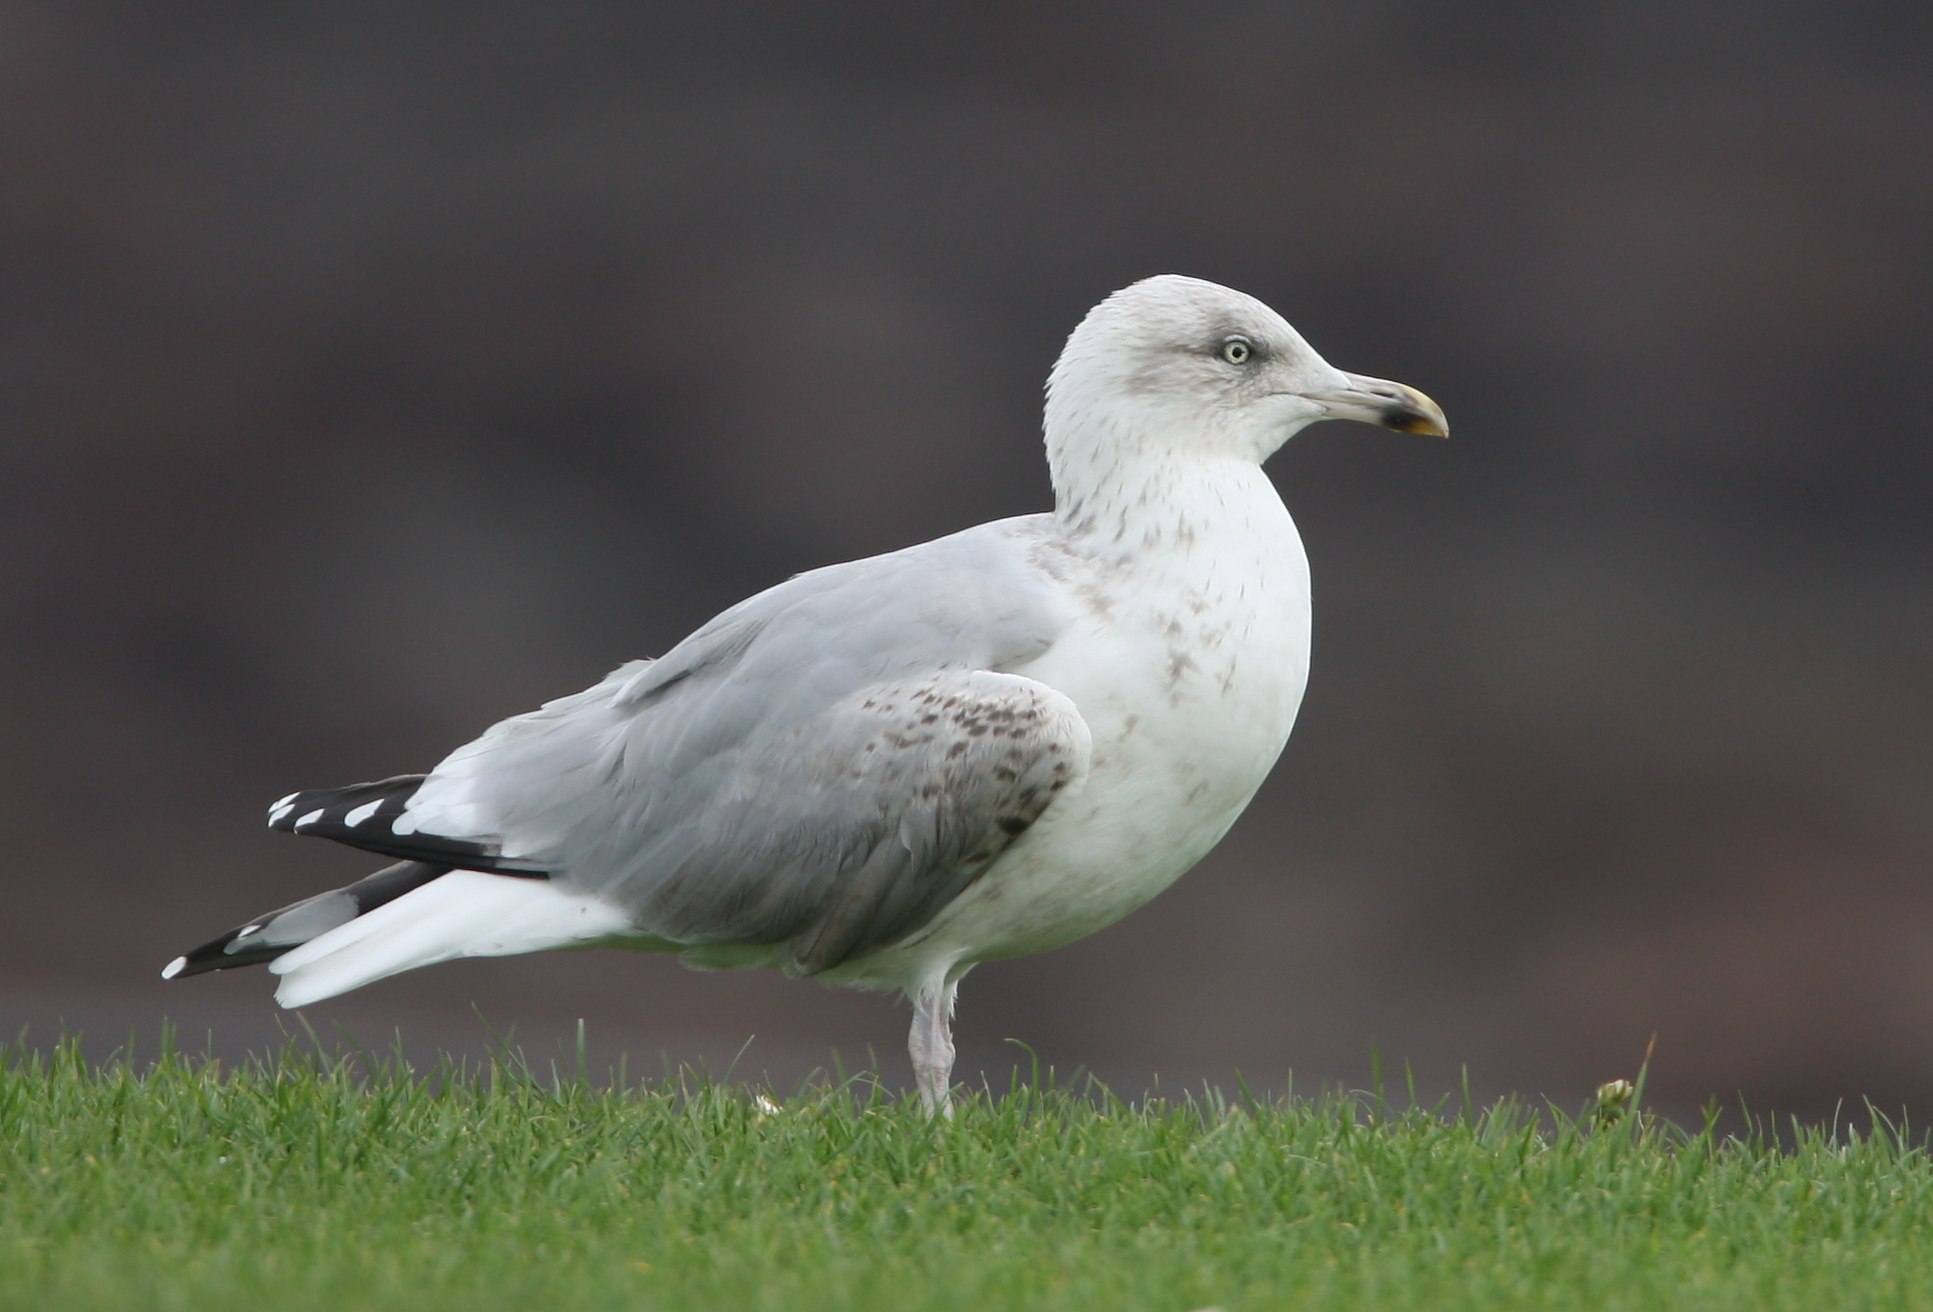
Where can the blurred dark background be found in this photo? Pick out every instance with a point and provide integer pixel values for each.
(369, 374)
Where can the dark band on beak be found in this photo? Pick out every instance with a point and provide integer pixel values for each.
(1379, 401)
(1425, 419)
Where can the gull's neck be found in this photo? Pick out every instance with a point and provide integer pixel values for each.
(1117, 494)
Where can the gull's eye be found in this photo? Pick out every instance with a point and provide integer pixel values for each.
(1236, 350)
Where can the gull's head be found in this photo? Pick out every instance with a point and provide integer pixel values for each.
(1173, 367)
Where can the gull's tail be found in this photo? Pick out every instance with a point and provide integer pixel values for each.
(269, 936)
(407, 915)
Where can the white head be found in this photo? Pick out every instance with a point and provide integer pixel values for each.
(1174, 368)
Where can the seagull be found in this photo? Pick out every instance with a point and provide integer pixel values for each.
(882, 773)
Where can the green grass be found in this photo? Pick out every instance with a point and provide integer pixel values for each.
(303, 1184)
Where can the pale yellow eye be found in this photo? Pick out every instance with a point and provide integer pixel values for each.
(1236, 350)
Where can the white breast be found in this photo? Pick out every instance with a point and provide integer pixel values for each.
(1189, 672)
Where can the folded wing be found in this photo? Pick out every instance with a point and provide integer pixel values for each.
(818, 771)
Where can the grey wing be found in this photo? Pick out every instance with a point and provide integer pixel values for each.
(856, 827)
(822, 768)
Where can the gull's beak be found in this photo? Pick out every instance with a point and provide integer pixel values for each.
(1379, 401)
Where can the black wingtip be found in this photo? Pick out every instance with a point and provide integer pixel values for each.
(214, 955)
(365, 815)
(341, 812)
(268, 936)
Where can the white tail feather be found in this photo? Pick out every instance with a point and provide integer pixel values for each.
(461, 914)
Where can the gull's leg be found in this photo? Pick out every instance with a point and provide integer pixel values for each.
(931, 1045)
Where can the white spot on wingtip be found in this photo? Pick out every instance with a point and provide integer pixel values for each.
(362, 813)
(174, 968)
(276, 813)
(311, 817)
(286, 802)
(246, 930)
